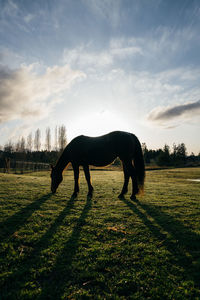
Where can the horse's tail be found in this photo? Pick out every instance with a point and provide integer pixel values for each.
(139, 165)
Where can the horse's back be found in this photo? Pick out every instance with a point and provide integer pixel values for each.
(124, 144)
(97, 151)
(102, 150)
(113, 139)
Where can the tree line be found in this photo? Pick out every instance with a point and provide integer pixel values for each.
(34, 142)
(33, 148)
(177, 156)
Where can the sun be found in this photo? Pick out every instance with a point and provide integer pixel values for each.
(98, 123)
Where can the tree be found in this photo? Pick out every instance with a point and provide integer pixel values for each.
(62, 137)
(182, 150)
(145, 153)
(56, 139)
(8, 148)
(179, 154)
(37, 140)
(48, 139)
(17, 146)
(29, 142)
(22, 144)
(163, 158)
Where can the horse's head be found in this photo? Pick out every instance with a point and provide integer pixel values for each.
(56, 178)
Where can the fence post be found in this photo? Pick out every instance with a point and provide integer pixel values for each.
(21, 167)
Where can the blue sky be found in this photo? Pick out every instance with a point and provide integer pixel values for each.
(101, 65)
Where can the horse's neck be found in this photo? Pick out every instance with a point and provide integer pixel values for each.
(62, 161)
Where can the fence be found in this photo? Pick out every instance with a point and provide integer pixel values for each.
(21, 167)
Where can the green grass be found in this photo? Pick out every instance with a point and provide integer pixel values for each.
(54, 247)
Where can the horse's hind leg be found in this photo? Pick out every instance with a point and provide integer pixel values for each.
(126, 181)
(76, 180)
(129, 166)
(87, 177)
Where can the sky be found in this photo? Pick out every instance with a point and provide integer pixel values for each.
(101, 65)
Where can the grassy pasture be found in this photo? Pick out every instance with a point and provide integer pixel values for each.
(54, 247)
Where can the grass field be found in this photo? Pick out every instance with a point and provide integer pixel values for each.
(54, 247)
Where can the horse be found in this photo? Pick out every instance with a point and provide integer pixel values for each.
(101, 151)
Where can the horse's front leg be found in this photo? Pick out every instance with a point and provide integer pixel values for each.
(87, 177)
(76, 180)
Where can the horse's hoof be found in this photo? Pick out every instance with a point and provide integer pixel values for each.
(121, 196)
(133, 197)
(74, 196)
(89, 195)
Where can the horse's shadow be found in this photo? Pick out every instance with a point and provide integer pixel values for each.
(17, 220)
(179, 239)
(62, 267)
(60, 270)
(31, 258)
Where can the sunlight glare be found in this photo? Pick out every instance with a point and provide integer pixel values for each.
(96, 124)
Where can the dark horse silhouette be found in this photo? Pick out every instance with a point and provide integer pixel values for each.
(101, 151)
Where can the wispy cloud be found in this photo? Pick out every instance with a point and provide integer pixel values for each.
(85, 56)
(161, 49)
(165, 114)
(25, 94)
(29, 17)
(107, 10)
(10, 58)
(9, 8)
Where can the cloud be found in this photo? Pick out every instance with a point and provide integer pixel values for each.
(123, 48)
(106, 10)
(85, 56)
(160, 49)
(10, 58)
(25, 94)
(165, 114)
(29, 17)
(9, 8)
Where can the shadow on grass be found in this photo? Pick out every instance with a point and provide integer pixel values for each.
(178, 240)
(13, 223)
(17, 280)
(60, 275)
(52, 282)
